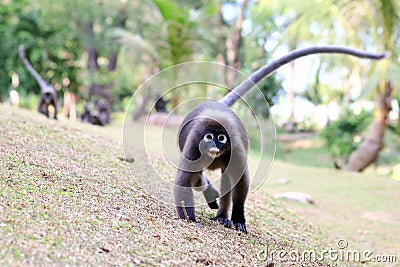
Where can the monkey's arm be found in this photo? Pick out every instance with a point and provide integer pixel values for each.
(183, 192)
(211, 194)
(239, 195)
(224, 201)
(29, 67)
(266, 70)
(54, 102)
(43, 108)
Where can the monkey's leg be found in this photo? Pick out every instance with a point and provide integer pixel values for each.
(54, 103)
(43, 108)
(201, 183)
(239, 195)
(210, 193)
(183, 192)
(224, 202)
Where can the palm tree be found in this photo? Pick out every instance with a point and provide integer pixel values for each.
(356, 23)
(382, 84)
(173, 39)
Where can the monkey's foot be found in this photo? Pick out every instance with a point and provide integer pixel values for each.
(224, 221)
(240, 227)
(189, 214)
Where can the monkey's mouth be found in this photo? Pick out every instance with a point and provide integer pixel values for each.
(214, 152)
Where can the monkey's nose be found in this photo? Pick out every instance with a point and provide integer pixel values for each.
(214, 150)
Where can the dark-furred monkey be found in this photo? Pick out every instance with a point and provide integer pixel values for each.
(213, 137)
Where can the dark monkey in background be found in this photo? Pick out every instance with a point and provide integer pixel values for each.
(48, 95)
(213, 137)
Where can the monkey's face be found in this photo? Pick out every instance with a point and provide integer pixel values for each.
(216, 143)
(47, 98)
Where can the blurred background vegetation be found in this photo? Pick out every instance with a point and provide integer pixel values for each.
(109, 48)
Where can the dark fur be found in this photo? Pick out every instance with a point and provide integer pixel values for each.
(100, 115)
(232, 162)
(161, 104)
(85, 117)
(48, 97)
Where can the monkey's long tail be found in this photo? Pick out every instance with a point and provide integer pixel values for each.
(266, 70)
(35, 74)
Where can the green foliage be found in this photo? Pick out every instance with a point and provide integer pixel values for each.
(29, 101)
(51, 54)
(343, 136)
(178, 33)
(256, 55)
(395, 128)
(384, 70)
(269, 89)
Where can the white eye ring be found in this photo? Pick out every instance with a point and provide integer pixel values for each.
(222, 138)
(208, 137)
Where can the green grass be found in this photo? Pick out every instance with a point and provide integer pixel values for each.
(304, 149)
(362, 209)
(312, 157)
(66, 198)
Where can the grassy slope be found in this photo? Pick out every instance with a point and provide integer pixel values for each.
(66, 198)
(361, 208)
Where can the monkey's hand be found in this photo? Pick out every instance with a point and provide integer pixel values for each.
(222, 220)
(240, 227)
(211, 195)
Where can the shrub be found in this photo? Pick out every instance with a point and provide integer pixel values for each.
(343, 136)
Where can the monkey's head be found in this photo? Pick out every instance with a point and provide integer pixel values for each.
(47, 97)
(102, 105)
(215, 140)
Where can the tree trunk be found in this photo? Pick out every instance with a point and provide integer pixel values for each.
(103, 90)
(143, 99)
(368, 151)
(290, 93)
(92, 63)
(233, 44)
(69, 110)
(119, 22)
(141, 103)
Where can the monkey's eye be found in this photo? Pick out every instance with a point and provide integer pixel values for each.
(222, 138)
(208, 137)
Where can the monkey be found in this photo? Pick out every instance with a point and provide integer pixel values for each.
(213, 137)
(161, 104)
(85, 117)
(100, 115)
(48, 95)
